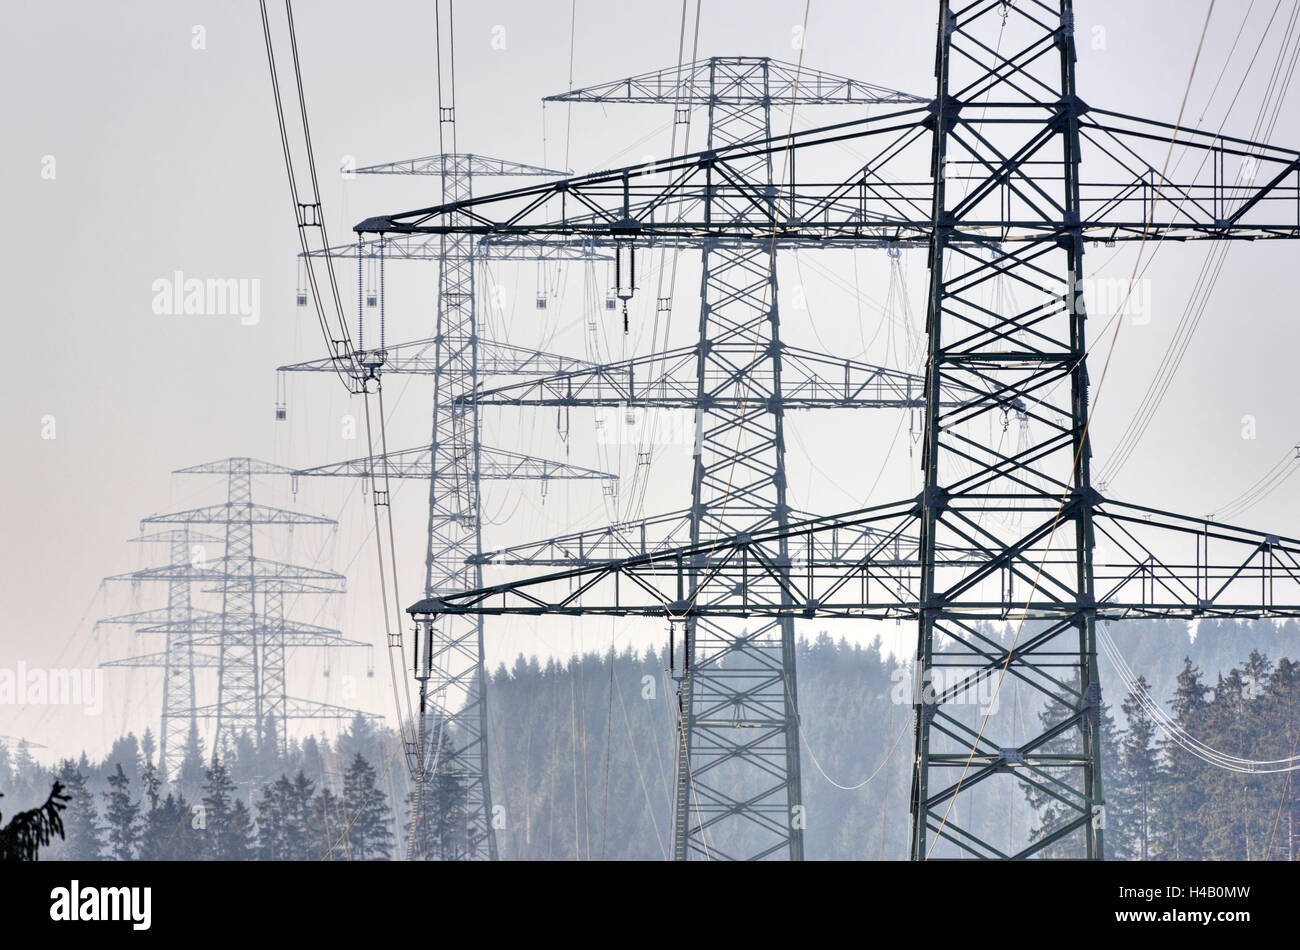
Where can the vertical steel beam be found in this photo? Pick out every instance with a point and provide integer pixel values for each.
(239, 700)
(178, 713)
(274, 693)
(1006, 147)
(738, 791)
(453, 698)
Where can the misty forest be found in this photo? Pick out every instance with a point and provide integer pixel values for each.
(582, 758)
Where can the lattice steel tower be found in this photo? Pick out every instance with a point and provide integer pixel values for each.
(180, 656)
(456, 463)
(245, 642)
(1017, 536)
(451, 674)
(737, 791)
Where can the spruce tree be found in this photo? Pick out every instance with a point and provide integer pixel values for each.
(81, 821)
(243, 833)
(190, 778)
(169, 833)
(29, 831)
(242, 759)
(326, 827)
(152, 783)
(28, 780)
(6, 770)
(1179, 834)
(1239, 807)
(442, 824)
(273, 821)
(123, 817)
(299, 823)
(125, 752)
(1282, 719)
(227, 835)
(148, 746)
(1141, 772)
(268, 760)
(24, 764)
(365, 806)
(313, 758)
(358, 739)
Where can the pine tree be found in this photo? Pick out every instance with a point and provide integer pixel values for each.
(369, 836)
(285, 820)
(84, 834)
(326, 826)
(442, 830)
(23, 761)
(29, 831)
(1141, 772)
(358, 739)
(169, 833)
(1179, 834)
(227, 834)
(123, 817)
(6, 770)
(148, 746)
(1282, 702)
(152, 783)
(190, 778)
(125, 752)
(273, 821)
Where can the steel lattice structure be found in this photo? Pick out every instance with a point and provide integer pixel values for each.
(737, 790)
(180, 656)
(494, 465)
(419, 358)
(994, 192)
(455, 463)
(245, 642)
(452, 679)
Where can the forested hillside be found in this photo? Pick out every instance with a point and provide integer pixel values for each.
(582, 764)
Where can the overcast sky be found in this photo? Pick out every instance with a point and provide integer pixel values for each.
(165, 158)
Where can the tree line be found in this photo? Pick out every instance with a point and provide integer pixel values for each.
(294, 819)
(581, 763)
(206, 814)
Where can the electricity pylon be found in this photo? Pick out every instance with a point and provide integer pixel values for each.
(180, 655)
(737, 790)
(246, 641)
(455, 463)
(452, 679)
(988, 176)
(726, 378)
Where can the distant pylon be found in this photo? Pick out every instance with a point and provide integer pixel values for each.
(246, 641)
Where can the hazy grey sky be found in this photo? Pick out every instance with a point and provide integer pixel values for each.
(166, 159)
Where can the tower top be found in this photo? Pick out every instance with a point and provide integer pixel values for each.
(737, 80)
(237, 465)
(463, 163)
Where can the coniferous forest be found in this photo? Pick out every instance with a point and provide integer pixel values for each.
(582, 766)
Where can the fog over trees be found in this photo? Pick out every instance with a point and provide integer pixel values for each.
(581, 761)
